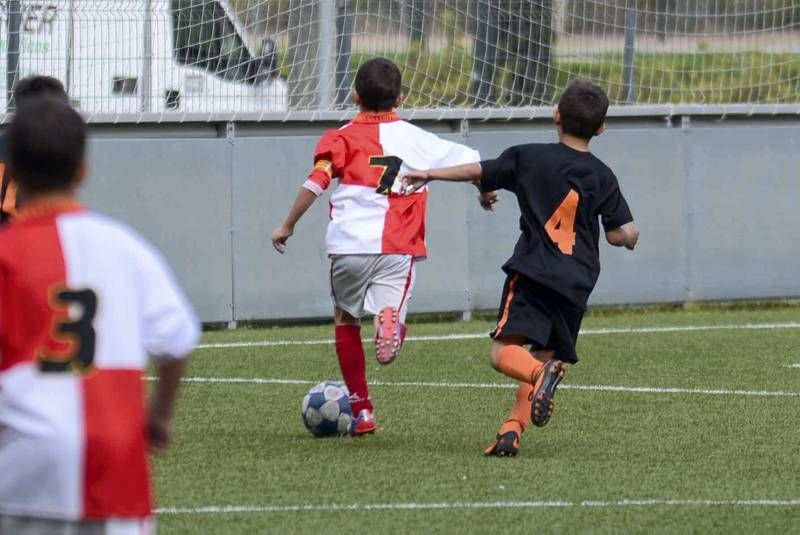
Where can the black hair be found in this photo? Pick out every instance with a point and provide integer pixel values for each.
(46, 145)
(379, 83)
(583, 108)
(39, 86)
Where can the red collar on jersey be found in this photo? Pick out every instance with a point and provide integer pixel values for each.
(371, 118)
(45, 209)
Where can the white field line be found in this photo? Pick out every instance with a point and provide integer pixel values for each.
(469, 336)
(424, 384)
(471, 505)
(797, 365)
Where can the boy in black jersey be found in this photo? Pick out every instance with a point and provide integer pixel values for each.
(562, 190)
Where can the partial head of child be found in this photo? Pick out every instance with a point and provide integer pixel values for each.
(581, 112)
(46, 146)
(378, 86)
(39, 86)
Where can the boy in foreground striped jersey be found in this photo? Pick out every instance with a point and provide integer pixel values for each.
(84, 301)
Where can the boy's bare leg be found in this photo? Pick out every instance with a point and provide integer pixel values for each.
(341, 317)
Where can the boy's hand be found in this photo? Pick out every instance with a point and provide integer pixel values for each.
(279, 237)
(488, 199)
(632, 233)
(625, 236)
(414, 181)
(159, 431)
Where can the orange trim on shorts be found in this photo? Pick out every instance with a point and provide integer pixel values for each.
(509, 297)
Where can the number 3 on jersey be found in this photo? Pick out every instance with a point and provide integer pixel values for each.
(561, 225)
(78, 332)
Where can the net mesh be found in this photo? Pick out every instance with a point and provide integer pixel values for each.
(281, 59)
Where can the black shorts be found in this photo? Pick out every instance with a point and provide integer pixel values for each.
(545, 318)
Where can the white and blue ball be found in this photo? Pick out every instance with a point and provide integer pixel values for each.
(326, 410)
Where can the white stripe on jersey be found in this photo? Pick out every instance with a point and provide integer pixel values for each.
(99, 255)
(141, 308)
(357, 220)
(420, 149)
(41, 440)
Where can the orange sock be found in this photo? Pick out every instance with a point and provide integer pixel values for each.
(520, 416)
(517, 363)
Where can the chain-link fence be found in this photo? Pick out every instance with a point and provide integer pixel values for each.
(130, 60)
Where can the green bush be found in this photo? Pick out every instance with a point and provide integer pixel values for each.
(443, 79)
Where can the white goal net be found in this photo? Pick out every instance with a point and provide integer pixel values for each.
(131, 60)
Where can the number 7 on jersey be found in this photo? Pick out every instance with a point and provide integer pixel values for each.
(390, 166)
(561, 225)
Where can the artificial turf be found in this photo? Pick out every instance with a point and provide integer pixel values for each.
(244, 445)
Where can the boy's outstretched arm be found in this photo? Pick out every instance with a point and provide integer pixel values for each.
(305, 198)
(625, 236)
(468, 172)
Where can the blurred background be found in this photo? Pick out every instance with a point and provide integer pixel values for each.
(277, 57)
(205, 115)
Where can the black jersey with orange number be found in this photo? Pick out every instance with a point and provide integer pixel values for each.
(562, 192)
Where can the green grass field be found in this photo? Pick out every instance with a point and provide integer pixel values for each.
(692, 459)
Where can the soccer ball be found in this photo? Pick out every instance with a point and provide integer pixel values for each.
(326, 410)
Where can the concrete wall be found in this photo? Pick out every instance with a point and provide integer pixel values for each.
(716, 201)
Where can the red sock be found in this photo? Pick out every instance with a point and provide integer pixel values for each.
(350, 352)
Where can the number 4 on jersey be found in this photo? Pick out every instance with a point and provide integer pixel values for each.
(561, 225)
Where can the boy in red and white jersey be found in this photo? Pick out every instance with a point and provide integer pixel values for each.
(83, 302)
(375, 233)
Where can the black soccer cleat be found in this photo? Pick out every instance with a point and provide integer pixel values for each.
(544, 390)
(506, 445)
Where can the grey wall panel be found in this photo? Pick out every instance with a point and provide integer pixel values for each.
(650, 168)
(744, 185)
(176, 192)
(717, 205)
(442, 280)
(267, 175)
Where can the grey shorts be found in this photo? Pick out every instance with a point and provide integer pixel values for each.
(24, 525)
(365, 284)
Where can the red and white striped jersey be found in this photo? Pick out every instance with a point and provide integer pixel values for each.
(83, 301)
(368, 156)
